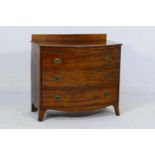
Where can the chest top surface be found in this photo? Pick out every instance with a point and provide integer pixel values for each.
(72, 40)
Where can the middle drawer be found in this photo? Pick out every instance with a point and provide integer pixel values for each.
(75, 78)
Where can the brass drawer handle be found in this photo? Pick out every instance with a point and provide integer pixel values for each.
(57, 60)
(108, 58)
(56, 78)
(107, 94)
(57, 97)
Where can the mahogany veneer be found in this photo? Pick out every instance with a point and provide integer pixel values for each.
(74, 73)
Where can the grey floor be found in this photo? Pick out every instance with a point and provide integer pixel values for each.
(137, 111)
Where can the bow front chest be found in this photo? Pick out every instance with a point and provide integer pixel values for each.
(74, 73)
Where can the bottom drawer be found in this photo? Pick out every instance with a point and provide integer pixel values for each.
(79, 97)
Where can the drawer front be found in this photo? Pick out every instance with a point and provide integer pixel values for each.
(75, 78)
(106, 57)
(79, 97)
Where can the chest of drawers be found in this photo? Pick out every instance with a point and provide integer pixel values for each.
(74, 73)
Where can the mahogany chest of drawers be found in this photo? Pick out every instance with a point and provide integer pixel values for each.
(74, 73)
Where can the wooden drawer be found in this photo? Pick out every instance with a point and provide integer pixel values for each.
(76, 78)
(92, 57)
(79, 97)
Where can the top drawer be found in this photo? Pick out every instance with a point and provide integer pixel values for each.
(82, 58)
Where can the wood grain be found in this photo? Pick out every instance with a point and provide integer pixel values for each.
(79, 108)
(79, 78)
(81, 58)
(80, 96)
(68, 37)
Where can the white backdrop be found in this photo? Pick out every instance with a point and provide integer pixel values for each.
(137, 93)
(138, 55)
